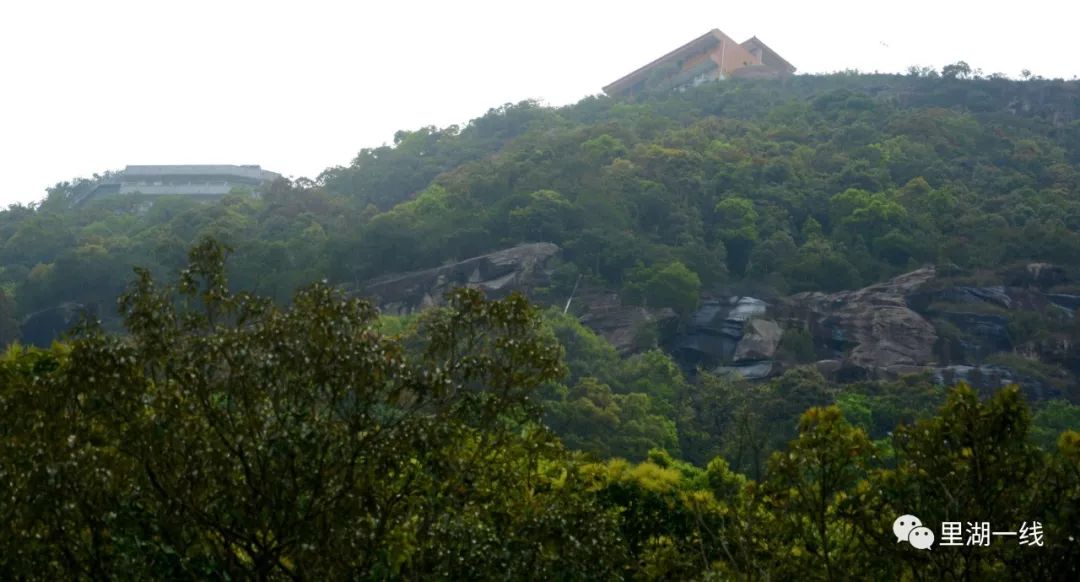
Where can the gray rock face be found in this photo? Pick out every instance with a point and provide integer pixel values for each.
(992, 295)
(993, 377)
(497, 274)
(979, 376)
(872, 327)
(760, 339)
(748, 371)
(1068, 302)
(879, 331)
(743, 308)
(709, 338)
(990, 329)
(718, 328)
(617, 323)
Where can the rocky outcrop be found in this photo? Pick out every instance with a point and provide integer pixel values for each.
(1042, 275)
(996, 296)
(729, 335)
(760, 339)
(880, 331)
(714, 331)
(887, 330)
(749, 370)
(871, 327)
(497, 274)
(721, 331)
(990, 330)
(982, 315)
(984, 377)
(1068, 303)
(619, 324)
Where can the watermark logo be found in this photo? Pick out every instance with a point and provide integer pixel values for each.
(903, 525)
(910, 529)
(921, 538)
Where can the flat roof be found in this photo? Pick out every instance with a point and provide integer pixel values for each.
(248, 171)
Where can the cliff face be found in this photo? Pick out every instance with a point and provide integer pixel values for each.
(871, 328)
(497, 274)
(729, 335)
(892, 328)
(620, 324)
(880, 331)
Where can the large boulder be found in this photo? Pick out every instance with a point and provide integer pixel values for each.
(497, 274)
(760, 339)
(872, 327)
(715, 331)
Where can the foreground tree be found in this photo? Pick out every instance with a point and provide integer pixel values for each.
(226, 437)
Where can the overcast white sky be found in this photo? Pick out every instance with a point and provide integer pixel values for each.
(88, 86)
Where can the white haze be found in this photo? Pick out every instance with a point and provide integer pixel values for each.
(299, 86)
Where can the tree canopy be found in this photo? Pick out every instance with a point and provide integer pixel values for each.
(224, 436)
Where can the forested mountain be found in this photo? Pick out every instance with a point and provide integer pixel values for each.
(773, 283)
(677, 201)
(815, 183)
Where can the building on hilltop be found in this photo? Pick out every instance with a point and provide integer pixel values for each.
(711, 56)
(197, 181)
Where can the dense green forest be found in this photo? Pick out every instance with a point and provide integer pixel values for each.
(816, 183)
(198, 430)
(226, 437)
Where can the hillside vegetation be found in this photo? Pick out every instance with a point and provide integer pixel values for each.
(817, 183)
(224, 437)
(259, 426)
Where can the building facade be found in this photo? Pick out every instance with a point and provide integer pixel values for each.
(197, 181)
(710, 57)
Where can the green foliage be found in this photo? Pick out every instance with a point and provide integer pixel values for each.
(879, 407)
(672, 285)
(545, 217)
(227, 437)
(736, 222)
(591, 418)
(816, 184)
(653, 373)
(972, 458)
(959, 69)
(856, 410)
(797, 345)
(806, 497)
(1051, 419)
(586, 354)
(1048, 373)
